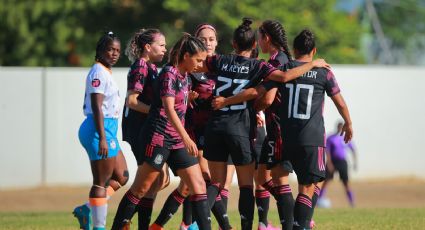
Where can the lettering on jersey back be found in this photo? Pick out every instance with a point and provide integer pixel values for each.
(235, 68)
(310, 74)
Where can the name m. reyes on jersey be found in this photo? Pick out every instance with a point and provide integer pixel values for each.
(310, 74)
(235, 68)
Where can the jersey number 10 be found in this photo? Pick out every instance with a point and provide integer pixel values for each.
(294, 100)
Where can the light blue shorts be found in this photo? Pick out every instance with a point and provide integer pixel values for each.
(89, 137)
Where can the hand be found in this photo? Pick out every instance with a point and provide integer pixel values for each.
(103, 148)
(260, 121)
(190, 147)
(218, 102)
(193, 95)
(321, 63)
(347, 131)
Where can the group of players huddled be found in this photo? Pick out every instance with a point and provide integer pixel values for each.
(204, 115)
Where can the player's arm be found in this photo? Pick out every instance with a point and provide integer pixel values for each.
(291, 74)
(135, 104)
(347, 129)
(96, 106)
(263, 102)
(245, 95)
(168, 103)
(354, 153)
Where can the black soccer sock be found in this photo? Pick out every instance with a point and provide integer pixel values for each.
(269, 186)
(171, 206)
(220, 214)
(246, 206)
(315, 196)
(285, 205)
(144, 209)
(302, 211)
(201, 211)
(262, 198)
(224, 193)
(187, 212)
(126, 210)
(212, 192)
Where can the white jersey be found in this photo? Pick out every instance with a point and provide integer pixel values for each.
(99, 80)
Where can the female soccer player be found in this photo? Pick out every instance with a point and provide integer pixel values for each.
(98, 134)
(272, 40)
(164, 139)
(146, 47)
(304, 131)
(229, 129)
(197, 115)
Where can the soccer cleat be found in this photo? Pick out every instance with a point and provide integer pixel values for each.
(312, 224)
(83, 215)
(193, 226)
(269, 226)
(155, 227)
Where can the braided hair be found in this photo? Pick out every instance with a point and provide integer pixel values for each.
(186, 44)
(103, 43)
(277, 34)
(136, 44)
(244, 36)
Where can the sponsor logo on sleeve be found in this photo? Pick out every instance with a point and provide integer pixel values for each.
(95, 82)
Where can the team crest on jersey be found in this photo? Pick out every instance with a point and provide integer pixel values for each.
(158, 159)
(112, 144)
(95, 82)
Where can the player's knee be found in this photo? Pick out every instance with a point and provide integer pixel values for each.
(122, 180)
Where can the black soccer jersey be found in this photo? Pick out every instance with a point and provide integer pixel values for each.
(302, 106)
(233, 74)
(272, 112)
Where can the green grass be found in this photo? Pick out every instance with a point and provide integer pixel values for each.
(409, 218)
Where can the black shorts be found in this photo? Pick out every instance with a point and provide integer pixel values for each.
(271, 154)
(308, 162)
(218, 147)
(258, 143)
(341, 167)
(176, 159)
(197, 134)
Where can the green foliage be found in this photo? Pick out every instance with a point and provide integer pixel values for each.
(403, 23)
(64, 32)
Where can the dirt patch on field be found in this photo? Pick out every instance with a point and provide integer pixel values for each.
(396, 193)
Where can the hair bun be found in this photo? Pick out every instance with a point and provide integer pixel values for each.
(247, 22)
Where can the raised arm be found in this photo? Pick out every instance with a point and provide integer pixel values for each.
(294, 73)
(347, 129)
(266, 100)
(245, 95)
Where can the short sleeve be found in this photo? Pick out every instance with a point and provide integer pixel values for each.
(266, 69)
(97, 82)
(167, 83)
(331, 86)
(136, 79)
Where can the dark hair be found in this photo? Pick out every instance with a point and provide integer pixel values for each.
(244, 36)
(186, 44)
(277, 34)
(304, 42)
(103, 43)
(202, 26)
(136, 44)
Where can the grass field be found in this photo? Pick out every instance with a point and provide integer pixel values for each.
(391, 204)
(341, 218)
